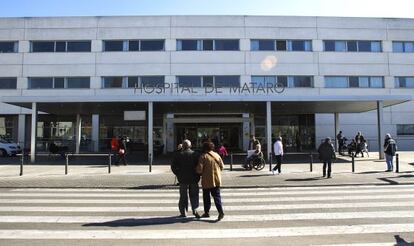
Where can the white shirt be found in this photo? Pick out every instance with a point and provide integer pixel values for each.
(278, 148)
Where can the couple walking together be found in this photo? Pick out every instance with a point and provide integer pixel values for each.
(188, 166)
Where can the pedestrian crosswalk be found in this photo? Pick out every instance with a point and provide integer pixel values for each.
(337, 215)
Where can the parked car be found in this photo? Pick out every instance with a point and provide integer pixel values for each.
(8, 148)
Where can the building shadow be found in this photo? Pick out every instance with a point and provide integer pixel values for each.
(401, 242)
(132, 222)
(391, 181)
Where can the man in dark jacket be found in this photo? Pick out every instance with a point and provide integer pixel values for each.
(390, 147)
(360, 143)
(184, 167)
(326, 154)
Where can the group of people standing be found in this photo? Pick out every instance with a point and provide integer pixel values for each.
(357, 146)
(189, 166)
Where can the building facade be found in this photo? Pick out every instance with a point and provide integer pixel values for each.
(78, 81)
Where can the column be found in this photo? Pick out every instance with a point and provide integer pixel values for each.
(246, 131)
(336, 116)
(269, 128)
(150, 130)
(380, 123)
(78, 132)
(33, 133)
(95, 132)
(21, 133)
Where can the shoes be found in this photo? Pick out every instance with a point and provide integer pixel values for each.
(388, 170)
(328, 177)
(324, 175)
(196, 214)
(205, 215)
(220, 216)
(182, 216)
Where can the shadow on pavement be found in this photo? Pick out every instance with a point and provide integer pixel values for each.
(130, 222)
(390, 181)
(306, 179)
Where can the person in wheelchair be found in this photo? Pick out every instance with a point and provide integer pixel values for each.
(253, 156)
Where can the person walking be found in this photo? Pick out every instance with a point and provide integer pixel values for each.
(360, 143)
(122, 151)
(184, 167)
(278, 152)
(114, 148)
(326, 154)
(390, 148)
(210, 166)
(341, 141)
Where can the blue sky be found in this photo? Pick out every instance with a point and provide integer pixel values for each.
(365, 8)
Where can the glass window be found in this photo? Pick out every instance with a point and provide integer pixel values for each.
(376, 82)
(152, 45)
(60, 47)
(405, 129)
(262, 45)
(340, 46)
(132, 82)
(112, 82)
(302, 81)
(43, 46)
(336, 82)
(79, 46)
(409, 47)
(208, 81)
(270, 80)
(329, 45)
(282, 80)
(8, 83)
(352, 46)
(113, 45)
(364, 82)
(308, 45)
(281, 45)
(188, 45)
(353, 82)
(78, 82)
(254, 45)
(59, 83)
(409, 82)
(207, 44)
(189, 81)
(376, 46)
(40, 83)
(297, 45)
(133, 45)
(364, 46)
(152, 81)
(258, 81)
(8, 47)
(227, 81)
(226, 44)
(398, 46)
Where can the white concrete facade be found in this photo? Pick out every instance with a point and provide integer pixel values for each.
(243, 62)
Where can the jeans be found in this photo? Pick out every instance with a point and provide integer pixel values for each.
(192, 190)
(278, 163)
(215, 193)
(389, 160)
(327, 164)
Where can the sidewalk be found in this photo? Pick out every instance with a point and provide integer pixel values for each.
(367, 171)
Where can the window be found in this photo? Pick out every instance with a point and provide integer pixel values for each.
(302, 81)
(282, 80)
(352, 46)
(405, 129)
(43, 46)
(340, 46)
(263, 81)
(376, 46)
(8, 47)
(208, 81)
(60, 47)
(398, 46)
(78, 82)
(329, 45)
(133, 45)
(226, 44)
(299, 45)
(262, 45)
(403, 46)
(281, 45)
(132, 82)
(152, 45)
(113, 45)
(79, 46)
(8, 83)
(154, 81)
(336, 82)
(363, 82)
(188, 44)
(354, 82)
(227, 81)
(59, 83)
(208, 45)
(364, 46)
(404, 82)
(189, 81)
(112, 82)
(409, 47)
(376, 82)
(40, 83)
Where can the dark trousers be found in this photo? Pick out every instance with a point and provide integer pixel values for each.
(278, 166)
(192, 190)
(121, 158)
(327, 165)
(215, 193)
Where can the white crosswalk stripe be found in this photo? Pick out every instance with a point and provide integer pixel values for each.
(348, 212)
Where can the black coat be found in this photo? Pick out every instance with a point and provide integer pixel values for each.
(390, 147)
(184, 166)
(326, 152)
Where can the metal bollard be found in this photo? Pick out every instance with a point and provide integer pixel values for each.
(231, 161)
(21, 164)
(150, 162)
(66, 164)
(110, 162)
(311, 162)
(270, 162)
(353, 164)
(397, 163)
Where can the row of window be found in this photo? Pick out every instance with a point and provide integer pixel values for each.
(206, 45)
(207, 81)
